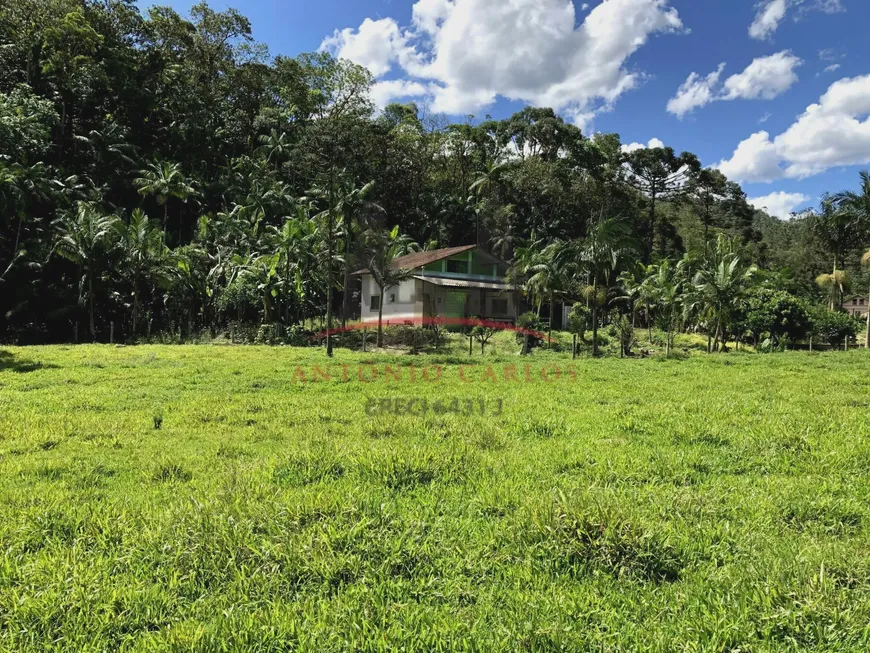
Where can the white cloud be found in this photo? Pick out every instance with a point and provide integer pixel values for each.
(832, 68)
(386, 91)
(767, 19)
(772, 12)
(764, 78)
(767, 116)
(779, 205)
(377, 44)
(469, 52)
(755, 159)
(695, 92)
(834, 132)
(633, 147)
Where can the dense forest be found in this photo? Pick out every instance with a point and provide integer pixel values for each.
(163, 176)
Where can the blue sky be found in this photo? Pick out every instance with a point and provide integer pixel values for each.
(619, 66)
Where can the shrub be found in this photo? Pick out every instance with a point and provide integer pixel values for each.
(834, 327)
(529, 322)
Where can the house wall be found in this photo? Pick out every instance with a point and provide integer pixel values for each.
(402, 303)
(857, 306)
(407, 302)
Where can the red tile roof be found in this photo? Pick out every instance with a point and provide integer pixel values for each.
(419, 259)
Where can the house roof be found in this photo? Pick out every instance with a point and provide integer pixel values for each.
(464, 283)
(419, 259)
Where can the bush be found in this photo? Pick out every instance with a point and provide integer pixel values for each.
(779, 314)
(529, 322)
(834, 327)
(622, 329)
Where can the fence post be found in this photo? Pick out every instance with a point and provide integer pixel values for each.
(111, 333)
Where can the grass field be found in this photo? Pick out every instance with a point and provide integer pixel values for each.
(207, 499)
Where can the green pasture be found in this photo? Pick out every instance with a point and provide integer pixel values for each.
(212, 498)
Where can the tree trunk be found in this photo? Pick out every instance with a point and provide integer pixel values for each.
(668, 344)
(380, 341)
(550, 323)
(574, 346)
(867, 341)
(135, 306)
(91, 306)
(649, 322)
(595, 328)
(329, 249)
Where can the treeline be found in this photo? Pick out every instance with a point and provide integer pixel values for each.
(164, 174)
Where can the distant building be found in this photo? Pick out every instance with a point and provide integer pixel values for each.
(458, 282)
(857, 306)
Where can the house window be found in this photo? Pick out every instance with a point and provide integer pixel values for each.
(456, 266)
(375, 303)
(499, 306)
(861, 302)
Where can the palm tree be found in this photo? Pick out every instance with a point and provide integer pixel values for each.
(146, 255)
(835, 286)
(382, 249)
(356, 211)
(720, 285)
(595, 260)
(294, 244)
(82, 239)
(665, 284)
(482, 187)
(274, 147)
(164, 180)
(858, 203)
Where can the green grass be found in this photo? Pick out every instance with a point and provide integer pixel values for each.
(203, 499)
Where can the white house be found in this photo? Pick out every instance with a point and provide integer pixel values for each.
(857, 306)
(453, 283)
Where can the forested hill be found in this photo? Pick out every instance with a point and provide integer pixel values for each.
(162, 172)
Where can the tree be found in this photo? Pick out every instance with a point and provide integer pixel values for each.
(482, 333)
(83, 239)
(720, 285)
(660, 175)
(665, 284)
(835, 286)
(706, 192)
(164, 180)
(833, 327)
(778, 314)
(578, 318)
(622, 328)
(483, 186)
(593, 261)
(382, 249)
(146, 256)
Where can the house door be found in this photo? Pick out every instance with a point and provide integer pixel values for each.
(456, 300)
